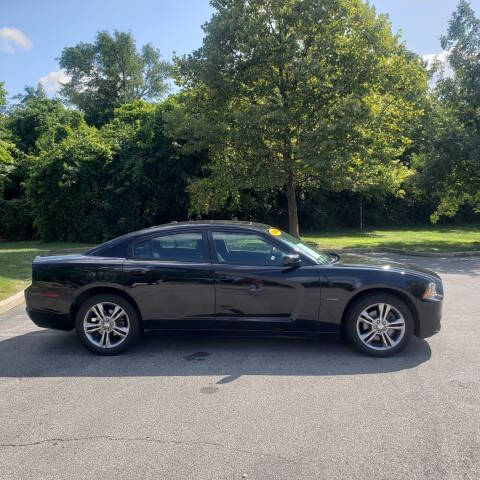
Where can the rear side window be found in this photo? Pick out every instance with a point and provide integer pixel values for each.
(179, 247)
(118, 251)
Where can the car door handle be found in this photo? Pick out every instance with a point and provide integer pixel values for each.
(226, 279)
(139, 271)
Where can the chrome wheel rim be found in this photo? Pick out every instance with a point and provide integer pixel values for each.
(381, 326)
(106, 325)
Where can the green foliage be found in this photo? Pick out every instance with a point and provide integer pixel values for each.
(110, 72)
(31, 93)
(287, 93)
(7, 148)
(38, 123)
(450, 165)
(16, 219)
(65, 188)
(297, 100)
(150, 174)
(96, 184)
(3, 97)
(33, 126)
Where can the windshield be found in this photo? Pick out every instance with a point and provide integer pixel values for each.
(310, 252)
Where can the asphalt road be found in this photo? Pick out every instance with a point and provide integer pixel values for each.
(226, 408)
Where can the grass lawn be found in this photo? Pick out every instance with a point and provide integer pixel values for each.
(16, 263)
(425, 239)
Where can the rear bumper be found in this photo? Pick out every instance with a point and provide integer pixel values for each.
(47, 312)
(57, 321)
(429, 318)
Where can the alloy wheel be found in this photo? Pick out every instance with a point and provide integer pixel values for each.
(380, 326)
(106, 325)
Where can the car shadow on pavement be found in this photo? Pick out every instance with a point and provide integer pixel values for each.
(59, 354)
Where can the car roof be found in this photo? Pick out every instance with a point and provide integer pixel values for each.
(261, 227)
(203, 223)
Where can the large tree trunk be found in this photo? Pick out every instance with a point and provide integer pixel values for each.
(292, 206)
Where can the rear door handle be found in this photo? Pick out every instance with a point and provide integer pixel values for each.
(226, 279)
(139, 271)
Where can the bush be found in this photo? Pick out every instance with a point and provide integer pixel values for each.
(16, 219)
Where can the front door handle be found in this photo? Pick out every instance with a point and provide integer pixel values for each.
(139, 271)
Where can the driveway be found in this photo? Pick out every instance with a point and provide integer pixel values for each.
(226, 408)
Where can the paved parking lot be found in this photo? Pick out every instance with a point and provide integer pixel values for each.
(227, 408)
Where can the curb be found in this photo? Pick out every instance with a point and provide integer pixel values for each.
(12, 301)
(474, 253)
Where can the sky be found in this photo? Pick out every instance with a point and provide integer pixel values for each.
(33, 33)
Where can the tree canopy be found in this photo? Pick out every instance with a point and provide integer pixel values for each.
(286, 93)
(110, 72)
(451, 164)
(6, 146)
(292, 111)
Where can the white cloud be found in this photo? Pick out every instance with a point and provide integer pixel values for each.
(51, 81)
(11, 38)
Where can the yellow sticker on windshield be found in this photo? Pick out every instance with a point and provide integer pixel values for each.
(275, 232)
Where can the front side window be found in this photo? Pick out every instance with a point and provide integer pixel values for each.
(179, 247)
(245, 249)
(300, 247)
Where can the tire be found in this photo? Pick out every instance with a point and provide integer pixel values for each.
(107, 324)
(372, 332)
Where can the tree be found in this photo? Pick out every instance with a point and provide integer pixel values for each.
(110, 72)
(283, 93)
(148, 175)
(7, 147)
(124, 176)
(3, 97)
(37, 122)
(31, 93)
(450, 163)
(66, 187)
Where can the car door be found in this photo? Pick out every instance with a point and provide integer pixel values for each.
(170, 277)
(254, 290)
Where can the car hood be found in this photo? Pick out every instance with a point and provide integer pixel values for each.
(365, 261)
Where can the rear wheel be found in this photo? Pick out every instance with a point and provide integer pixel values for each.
(379, 325)
(107, 324)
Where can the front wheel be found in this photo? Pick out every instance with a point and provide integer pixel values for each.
(107, 324)
(379, 325)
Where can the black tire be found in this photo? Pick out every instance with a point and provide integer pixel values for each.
(134, 325)
(363, 303)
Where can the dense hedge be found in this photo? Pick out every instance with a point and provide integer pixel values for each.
(97, 184)
(73, 182)
(16, 219)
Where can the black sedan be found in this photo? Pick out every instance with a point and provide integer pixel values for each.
(231, 276)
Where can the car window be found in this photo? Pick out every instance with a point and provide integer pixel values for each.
(237, 248)
(179, 247)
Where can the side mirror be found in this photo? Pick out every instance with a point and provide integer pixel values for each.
(291, 260)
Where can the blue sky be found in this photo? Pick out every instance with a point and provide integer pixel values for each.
(33, 32)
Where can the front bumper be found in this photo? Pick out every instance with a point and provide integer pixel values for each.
(429, 318)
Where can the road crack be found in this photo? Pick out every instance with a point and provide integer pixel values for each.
(110, 438)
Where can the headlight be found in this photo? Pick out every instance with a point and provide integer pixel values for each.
(431, 292)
